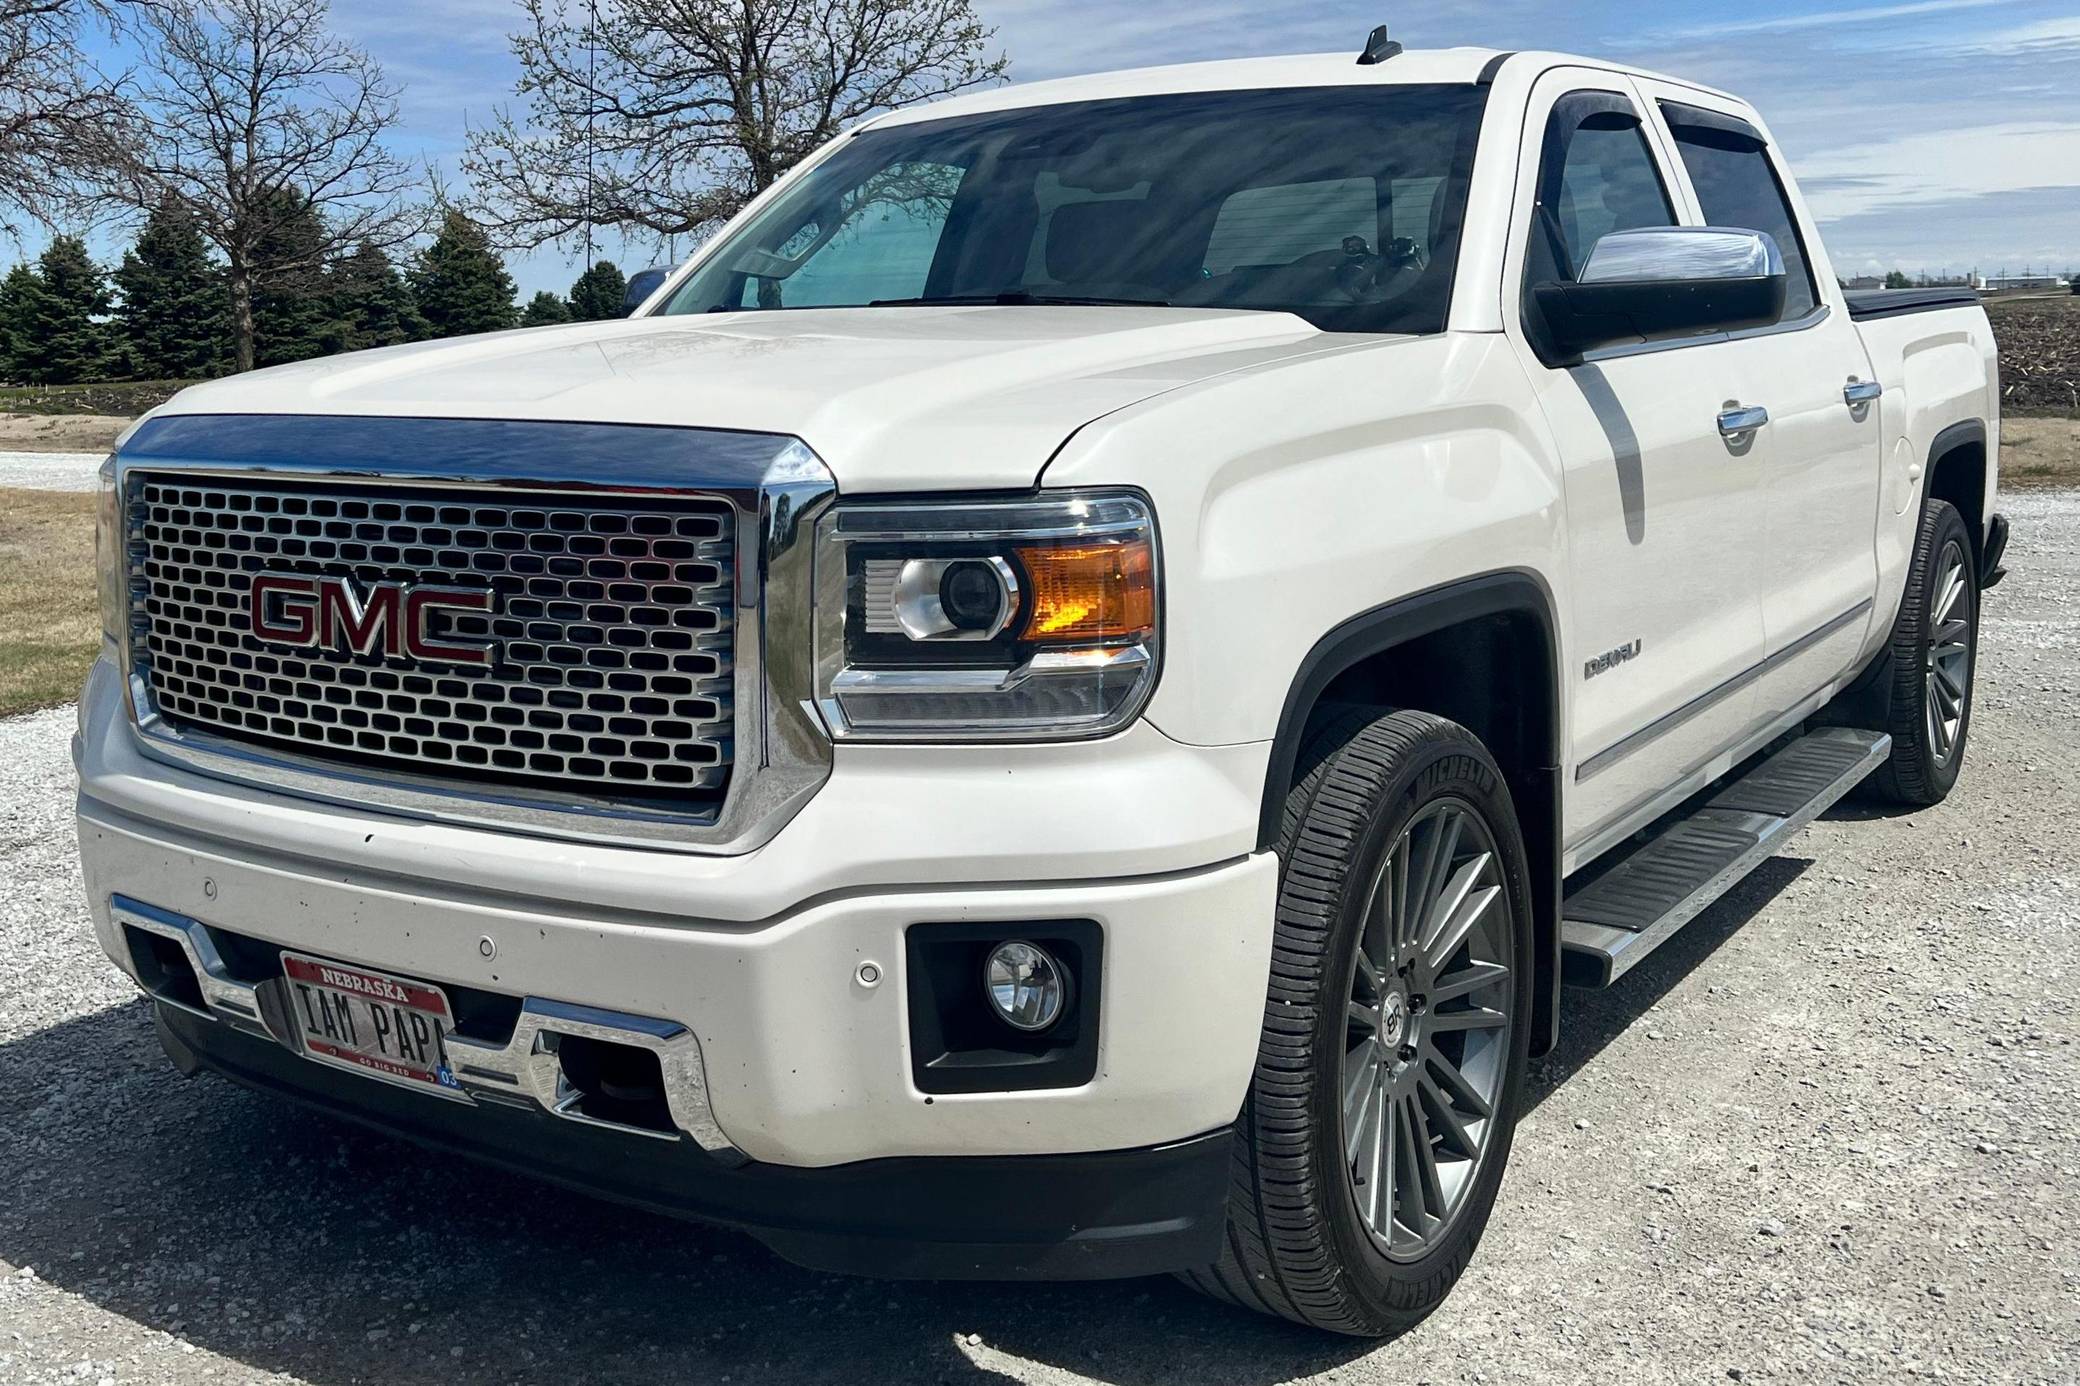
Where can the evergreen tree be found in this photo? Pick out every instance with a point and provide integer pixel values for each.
(459, 282)
(598, 293)
(371, 305)
(66, 336)
(175, 317)
(292, 303)
(17, 294)
(545, 310)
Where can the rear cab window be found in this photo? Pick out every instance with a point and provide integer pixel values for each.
(1737, 186)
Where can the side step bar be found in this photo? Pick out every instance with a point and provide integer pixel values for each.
(1630, 910)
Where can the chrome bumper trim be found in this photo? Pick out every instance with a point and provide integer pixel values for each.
(524, 1069)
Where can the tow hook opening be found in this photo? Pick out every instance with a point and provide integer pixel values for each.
(614, 1084)
(164, 971)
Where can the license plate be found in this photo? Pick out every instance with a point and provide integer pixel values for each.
(391, 1027)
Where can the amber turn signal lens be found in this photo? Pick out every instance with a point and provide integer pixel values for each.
(1090, 592)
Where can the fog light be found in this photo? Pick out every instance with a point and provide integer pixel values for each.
(1026, 985)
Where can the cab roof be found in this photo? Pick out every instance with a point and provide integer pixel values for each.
(1414, 67)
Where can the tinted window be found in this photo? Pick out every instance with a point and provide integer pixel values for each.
(1737, 187)
(1340, 205)
(1599, 177)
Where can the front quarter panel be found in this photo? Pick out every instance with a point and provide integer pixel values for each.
(1294, 497)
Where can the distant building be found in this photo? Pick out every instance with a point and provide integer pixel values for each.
(1865, 281)
(2020, 283)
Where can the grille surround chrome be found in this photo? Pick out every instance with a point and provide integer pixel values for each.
(765, 486)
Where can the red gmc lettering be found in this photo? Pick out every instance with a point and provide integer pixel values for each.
(388, 618)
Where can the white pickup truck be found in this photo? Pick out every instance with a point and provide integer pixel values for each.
(1062, 700)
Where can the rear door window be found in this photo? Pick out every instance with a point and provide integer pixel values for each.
(1737, 186)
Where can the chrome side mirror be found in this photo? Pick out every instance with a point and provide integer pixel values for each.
(1663, 282)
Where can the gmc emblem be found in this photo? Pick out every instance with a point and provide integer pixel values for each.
(391, 618)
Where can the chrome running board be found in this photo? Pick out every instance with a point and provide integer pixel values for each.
(1627, 912)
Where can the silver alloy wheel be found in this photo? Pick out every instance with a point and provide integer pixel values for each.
(1427, 1034)
(1949, 653)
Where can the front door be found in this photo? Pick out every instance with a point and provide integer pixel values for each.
(1665, 516)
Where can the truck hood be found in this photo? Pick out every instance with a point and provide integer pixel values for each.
(891, 398)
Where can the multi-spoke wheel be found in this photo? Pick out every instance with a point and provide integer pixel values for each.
(1934, 649)
(1429, 1027)
(1948, 664)
(1373, 1139)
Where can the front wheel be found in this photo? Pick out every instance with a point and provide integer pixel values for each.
(1372, 1141)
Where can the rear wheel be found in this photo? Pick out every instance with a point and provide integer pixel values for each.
(1935, 642)
(1373, 1139)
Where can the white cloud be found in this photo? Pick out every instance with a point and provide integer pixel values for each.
(2048, 35)
(1824, 19)
(1941, 166)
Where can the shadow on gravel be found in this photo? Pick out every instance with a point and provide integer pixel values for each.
(1590, 1020)
(297, 1244)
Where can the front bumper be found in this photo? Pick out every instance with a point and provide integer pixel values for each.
(1050, 1217)
(803, 1069)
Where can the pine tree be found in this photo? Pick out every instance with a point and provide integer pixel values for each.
(459, 282)
(17, 293)
(66, 335)
(598, 293)
(545, 310)
(175, 317)
(370, 303)
(292, 302)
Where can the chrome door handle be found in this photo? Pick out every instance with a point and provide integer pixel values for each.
(1734, 423)
(1858, 392)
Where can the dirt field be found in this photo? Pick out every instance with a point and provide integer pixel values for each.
(2040, 354)
(60, 432)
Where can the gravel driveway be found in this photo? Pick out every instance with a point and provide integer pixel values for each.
(50, 471)
(1826, 1134)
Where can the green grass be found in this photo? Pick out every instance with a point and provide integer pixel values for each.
(50, 618)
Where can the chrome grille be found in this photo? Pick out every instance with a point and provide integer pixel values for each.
(610, 628)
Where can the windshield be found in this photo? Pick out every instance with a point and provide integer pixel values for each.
(1340, 204)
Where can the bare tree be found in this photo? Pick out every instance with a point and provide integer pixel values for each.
(52, 101)
(666, 116)
(252, 115)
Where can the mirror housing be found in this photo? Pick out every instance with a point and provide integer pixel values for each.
(1663, 282)
(641, 285)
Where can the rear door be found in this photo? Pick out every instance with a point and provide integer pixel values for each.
(1821, 452)
(1665, 517)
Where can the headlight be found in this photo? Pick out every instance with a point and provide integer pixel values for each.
(1028, 619)
(109, 543)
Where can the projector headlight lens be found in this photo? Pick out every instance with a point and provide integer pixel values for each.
(1031, 619)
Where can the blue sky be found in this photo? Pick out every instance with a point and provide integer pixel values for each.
(1927, 133)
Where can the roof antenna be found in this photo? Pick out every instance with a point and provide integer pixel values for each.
(1378, 48)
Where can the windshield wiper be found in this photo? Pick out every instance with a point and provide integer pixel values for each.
(1020, 298)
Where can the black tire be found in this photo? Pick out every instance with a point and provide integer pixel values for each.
(1297, 1243)
(1922, 768)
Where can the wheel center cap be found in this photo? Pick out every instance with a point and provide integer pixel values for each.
(1393, 1018)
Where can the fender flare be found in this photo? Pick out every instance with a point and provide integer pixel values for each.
(1511, 592)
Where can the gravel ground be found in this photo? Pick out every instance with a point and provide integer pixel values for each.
(1825, 1134)
(50, 471)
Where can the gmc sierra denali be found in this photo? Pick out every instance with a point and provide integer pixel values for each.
(1062, 700)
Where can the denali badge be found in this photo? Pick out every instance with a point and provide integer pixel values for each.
(392, 618)
(1610, 660)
